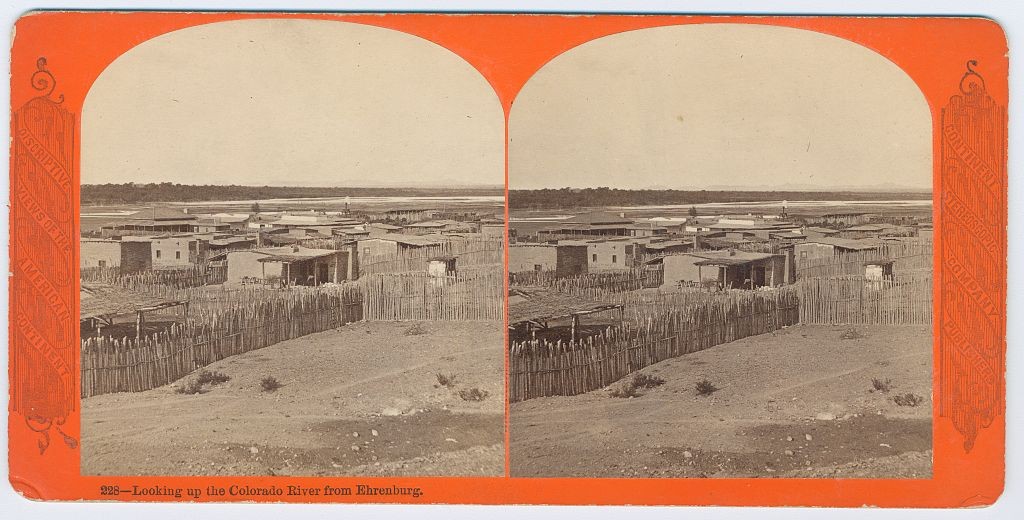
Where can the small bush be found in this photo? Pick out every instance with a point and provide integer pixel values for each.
(473, 394)
(417, 329)
(705, 388)
(907, 399)
(446, 380)
(192, 386)
(881, 386)
(851, 333)
(647, 381)
(625, 391)
(270, 384)
(213, 378)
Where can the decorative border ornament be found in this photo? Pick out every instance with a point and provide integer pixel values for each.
(43, 356)
(973, 252)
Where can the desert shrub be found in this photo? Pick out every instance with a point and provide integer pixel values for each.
(473, 394)
(625, 391)
(907, 399)
(881, 386)
(851, 333)
(192, 386)
(270, 384)
(647, 381)
(213, 378)
(446, 380)
(705, 387)
(417, 329)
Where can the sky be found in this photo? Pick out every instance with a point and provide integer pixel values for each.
(292, 102)
(720, 106)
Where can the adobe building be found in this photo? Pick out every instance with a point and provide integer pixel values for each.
(151, 221)
(563, 259)
(724, 269)
(392, 244)
(588, 225)
(829, 248)
(815, 232)
(289, 265)
(611, 254)
(492, 230)
(99, 252)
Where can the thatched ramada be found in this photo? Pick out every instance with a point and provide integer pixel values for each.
(539, 305)
(104, 302)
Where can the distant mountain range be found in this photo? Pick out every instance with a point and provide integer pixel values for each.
(605, 197)
(883, 188)
(132, 193)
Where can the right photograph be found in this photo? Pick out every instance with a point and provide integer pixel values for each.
(720, 259)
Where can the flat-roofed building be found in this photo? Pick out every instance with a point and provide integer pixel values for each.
(726, 269)
(99, 252)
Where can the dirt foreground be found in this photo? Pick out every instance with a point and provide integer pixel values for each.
(360, 400)
(799, 402)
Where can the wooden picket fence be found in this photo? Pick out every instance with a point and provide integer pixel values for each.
(469, 295)
(858, 300)
(541, 368)
(137, 364)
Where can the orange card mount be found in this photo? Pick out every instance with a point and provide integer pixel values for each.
(959, 65)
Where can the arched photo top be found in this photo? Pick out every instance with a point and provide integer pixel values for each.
(292, 102)
(721, 106)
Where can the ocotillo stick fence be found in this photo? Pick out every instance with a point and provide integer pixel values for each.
(472, 252)
(476, 294)
(222, 323)
(909, 257)
(857, 300)
(132, 365)
(541, 368)
(595, 285)
(195, 275)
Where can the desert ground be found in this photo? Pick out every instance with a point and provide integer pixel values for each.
(360, 400)
(799, 402)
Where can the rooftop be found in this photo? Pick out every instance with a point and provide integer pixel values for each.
(847, 243)
(230, 240)
(822, 230)
(313, 220)
(412, 240)
(287, 254)
(160, 213)
(228, 218)
(106, 301)
(597, 218)
(381, 225)
(151, 223)
(730, 257)
(542, 304)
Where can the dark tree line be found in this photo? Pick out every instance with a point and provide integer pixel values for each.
(131, 193)
(597, 197)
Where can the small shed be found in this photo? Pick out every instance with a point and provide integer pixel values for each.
(736, 269)
(533, 309)
(306, 266)
(739, 269)
(441, 266)
(878, 270)
(102, 303)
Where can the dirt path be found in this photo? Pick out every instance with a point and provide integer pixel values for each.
(797, 402)
(360, 400)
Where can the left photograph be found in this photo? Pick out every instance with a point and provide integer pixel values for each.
(291, 253)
